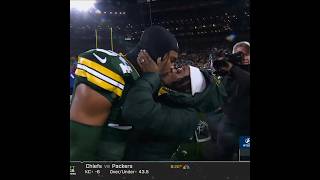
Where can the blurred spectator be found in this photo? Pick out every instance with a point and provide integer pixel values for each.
(200, 59)
(73, 65)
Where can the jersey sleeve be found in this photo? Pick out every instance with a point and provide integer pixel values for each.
(99, 70)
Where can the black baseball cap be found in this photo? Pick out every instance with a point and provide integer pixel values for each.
(157, 41)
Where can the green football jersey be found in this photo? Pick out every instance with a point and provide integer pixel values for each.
(111, 75)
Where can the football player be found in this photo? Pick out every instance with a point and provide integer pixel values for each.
(102, 80)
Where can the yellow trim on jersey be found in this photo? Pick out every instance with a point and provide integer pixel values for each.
(162, 90)
(103, 70)
(99, 82)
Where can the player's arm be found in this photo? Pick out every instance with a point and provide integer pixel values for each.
(147, 114)
(98, 85)
(155, 118)
(89, 111)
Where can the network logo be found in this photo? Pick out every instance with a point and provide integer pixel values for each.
(244, 142)
(72, 170)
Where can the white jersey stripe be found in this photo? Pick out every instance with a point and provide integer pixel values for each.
(101, 76)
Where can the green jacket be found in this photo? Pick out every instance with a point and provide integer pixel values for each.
(161, 123)
(209, 114)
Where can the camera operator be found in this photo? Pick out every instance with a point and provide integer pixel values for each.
(236, 79)
(243, 47)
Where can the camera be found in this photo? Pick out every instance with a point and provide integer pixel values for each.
(223, 55)
(220, 58)
(235, 58)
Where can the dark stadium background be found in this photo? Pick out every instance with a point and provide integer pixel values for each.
(33, 115)
(199, 25)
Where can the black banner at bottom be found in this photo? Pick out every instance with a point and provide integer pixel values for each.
(97, 170)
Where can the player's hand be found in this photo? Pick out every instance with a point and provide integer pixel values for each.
(146, 63)
(175, 78)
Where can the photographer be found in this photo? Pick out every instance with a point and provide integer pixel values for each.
(236, 80)
(244, 48)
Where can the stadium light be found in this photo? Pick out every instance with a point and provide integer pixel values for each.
(82, 5)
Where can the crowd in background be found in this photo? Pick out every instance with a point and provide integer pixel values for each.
(198, 59)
